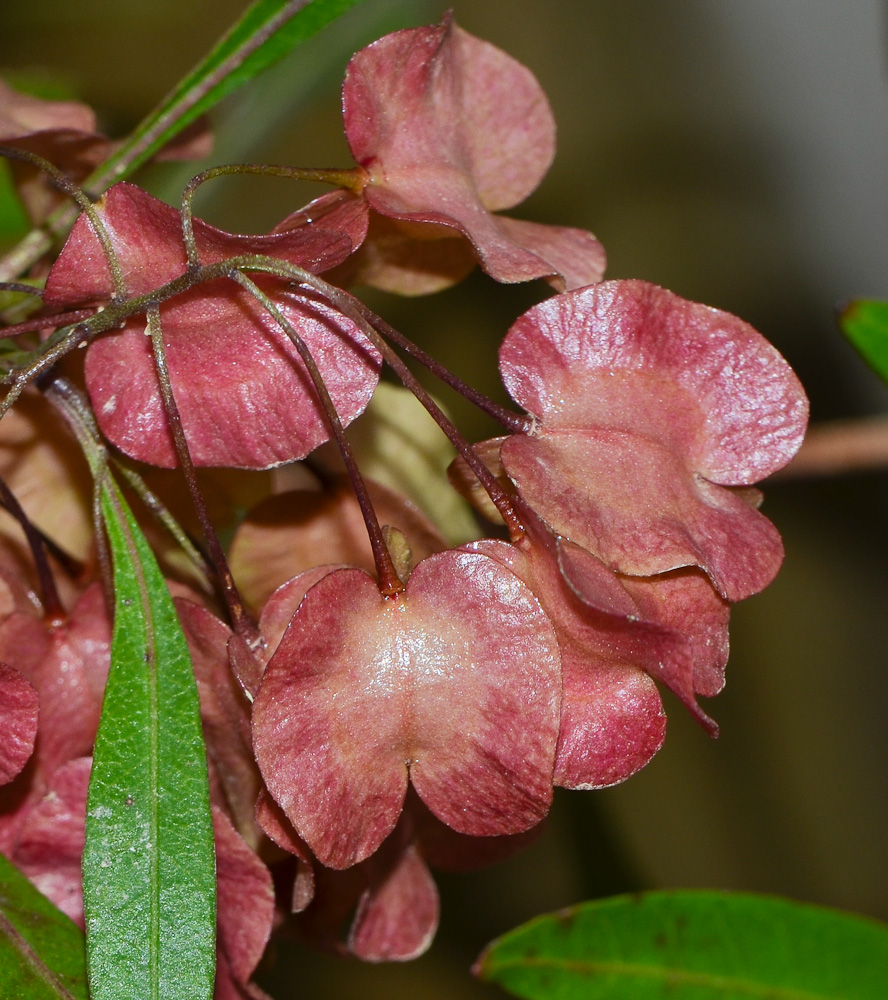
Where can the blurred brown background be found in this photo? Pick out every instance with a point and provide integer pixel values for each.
(738, 154)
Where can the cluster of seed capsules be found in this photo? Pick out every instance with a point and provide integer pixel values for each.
(400, 702)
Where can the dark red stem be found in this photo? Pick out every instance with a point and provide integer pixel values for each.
(388, 580)
(241, 622)
(517, 423)
(52, 605)
(45, 322)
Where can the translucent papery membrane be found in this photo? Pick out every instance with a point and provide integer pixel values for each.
(451, 130)
(710, 385)
(453, 685)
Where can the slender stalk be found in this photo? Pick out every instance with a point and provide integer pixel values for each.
(75, 568)
(389, 581)
(66, 185)
(348, 305)
(353, 178)
(19, 286)
(517, 423)
(489, 482)
(241, 622)
(164, 516)
(73, 407)
(41, 322)
(23, 377)
(53, 609)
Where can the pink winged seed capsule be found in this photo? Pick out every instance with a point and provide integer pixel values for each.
(451, 130)
(647, 410)
(617, 634)
(244, 395)
(453, 686)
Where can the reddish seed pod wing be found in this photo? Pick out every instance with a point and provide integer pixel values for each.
(454, 685)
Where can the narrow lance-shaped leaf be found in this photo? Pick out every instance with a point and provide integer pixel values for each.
(41, 950)
(148, 866)
(268, 30)
(692, 945)
(865, 324)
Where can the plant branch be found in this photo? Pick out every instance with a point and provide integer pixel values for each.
(52, 605)
(42, 322)
(20, 286)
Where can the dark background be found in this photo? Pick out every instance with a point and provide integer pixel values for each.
(738, 154)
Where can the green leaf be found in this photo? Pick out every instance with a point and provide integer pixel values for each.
(149, 882)
(692, 945)
(13, 218)
(239, 56)
(41, 950)
(865, 324)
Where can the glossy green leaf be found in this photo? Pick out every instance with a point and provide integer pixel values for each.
(42, 955)
(692, 945)
(149, 881)
(865, 324)
(268, 30)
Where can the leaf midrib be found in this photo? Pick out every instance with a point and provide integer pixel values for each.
(150, 656)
